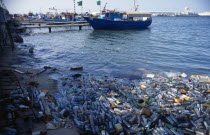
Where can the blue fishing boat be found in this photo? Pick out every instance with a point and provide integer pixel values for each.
(47, 19)
(60, 20)
(120, 20)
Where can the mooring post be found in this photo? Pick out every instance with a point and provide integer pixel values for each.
(80, 27)
(39, 24)
(50, 30)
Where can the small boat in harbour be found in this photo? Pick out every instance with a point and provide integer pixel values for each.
(120, 20)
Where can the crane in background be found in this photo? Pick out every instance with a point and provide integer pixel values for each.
(55, 9)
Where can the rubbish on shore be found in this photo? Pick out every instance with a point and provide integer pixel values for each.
(47, 111)
(207, 105)
(118, 127)
(201, 78)
(10, 130)
(33, 83)
(39, 133)
(50, 126)
(45, 69)
(103, 105)
(16, 111)
(150, 75)
(18, 71)
(183, 91)
(183, 75)
(106, 105)
(178, 100)
(145, 111)
(141, 102)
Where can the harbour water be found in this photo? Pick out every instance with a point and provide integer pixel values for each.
(177, 44)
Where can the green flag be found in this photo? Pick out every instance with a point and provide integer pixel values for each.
(79, 3)
(98, 2)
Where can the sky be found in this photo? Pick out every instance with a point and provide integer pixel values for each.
(37, 6)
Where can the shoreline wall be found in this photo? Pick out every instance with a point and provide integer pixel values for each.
(6, 39)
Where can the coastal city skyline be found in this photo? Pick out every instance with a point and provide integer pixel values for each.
(43, 6)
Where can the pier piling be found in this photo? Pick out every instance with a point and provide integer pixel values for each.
(80, 27)
(50, 30)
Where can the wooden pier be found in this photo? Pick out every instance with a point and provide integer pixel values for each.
(53, 25)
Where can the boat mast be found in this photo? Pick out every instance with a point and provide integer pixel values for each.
(135, 6)
(105, 7)
(74, 7)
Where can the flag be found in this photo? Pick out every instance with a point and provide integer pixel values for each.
(98, 2)
(79, 3)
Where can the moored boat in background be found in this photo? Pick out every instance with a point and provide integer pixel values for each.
(120, 20)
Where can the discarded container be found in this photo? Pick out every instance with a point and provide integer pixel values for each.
(178, 99)
(118, 127)
(145, 111)
(141, 103)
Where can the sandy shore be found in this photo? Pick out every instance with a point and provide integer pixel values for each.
(43, 77)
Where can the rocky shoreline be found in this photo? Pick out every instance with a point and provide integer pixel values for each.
(10, 60)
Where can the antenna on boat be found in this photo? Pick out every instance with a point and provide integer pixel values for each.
(135, 6)
(105, 7)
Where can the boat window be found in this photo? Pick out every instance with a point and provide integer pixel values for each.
(125, 17)
(145, 18)
(130, 18)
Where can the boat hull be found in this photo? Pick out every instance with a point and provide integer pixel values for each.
(110, 24)
(60, 20)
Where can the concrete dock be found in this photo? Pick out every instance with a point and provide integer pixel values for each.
(53, 25)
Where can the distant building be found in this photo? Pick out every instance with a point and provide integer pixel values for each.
(187, 13)
(204, 14)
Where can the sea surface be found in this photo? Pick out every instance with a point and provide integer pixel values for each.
(170, 44)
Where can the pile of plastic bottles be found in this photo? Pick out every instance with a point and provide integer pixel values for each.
(171, 103)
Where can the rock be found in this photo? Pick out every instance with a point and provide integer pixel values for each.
(31, 50)
(76, 75)
(18, 38)
(47, 67)
(77, 68)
